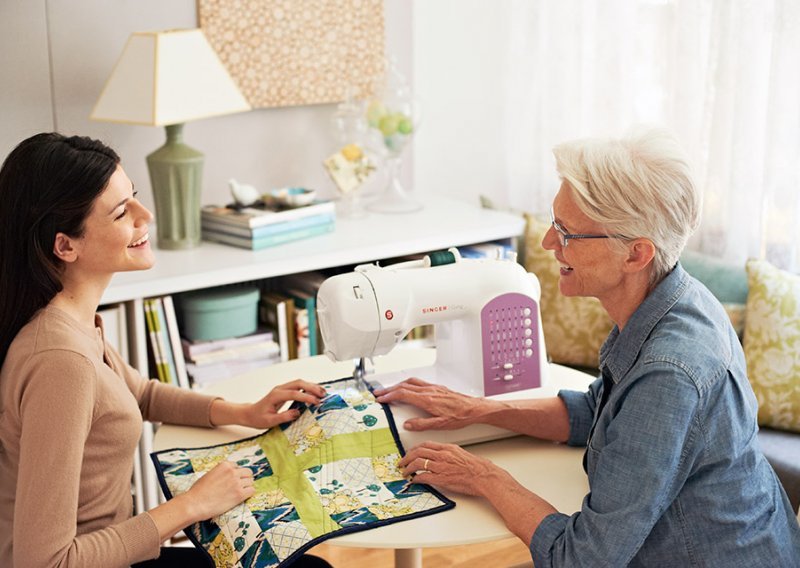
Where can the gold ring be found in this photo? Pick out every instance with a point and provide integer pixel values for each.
(425, 465)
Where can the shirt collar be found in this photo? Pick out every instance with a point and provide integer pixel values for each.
(621, 349)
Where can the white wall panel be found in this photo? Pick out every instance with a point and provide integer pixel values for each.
(25, 107)
(459, 76)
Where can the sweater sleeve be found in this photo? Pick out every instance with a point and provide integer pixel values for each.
(57, 406)
(164, 403)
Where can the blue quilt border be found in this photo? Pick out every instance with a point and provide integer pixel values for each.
(447, 503)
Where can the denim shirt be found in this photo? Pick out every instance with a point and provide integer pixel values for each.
(676, 476)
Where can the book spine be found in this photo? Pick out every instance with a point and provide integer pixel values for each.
(158, 357)
(283, 332)
(114, 332)
(209, 374)
(272, 240)
(307, 301)
(291, 328)
(251, 351)
(308, 284)
(293, 235)
(273, 313)
(175, 341)
(260, 232)
(327, 207)
(311, 306)
(301, 330)
(192, 349)
(255, 219)
(163, 341)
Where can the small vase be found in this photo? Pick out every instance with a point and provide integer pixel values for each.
(176, 178)
(394, 198)
(393, 117)
(350, 127)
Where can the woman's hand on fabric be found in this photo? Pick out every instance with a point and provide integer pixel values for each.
(448, 409)
(449, 467)
(220, 490)
(266, 413)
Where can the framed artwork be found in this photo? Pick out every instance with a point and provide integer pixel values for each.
(297, 52)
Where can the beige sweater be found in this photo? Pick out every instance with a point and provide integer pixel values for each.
(70, 419)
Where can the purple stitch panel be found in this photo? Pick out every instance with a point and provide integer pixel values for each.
(510, 329)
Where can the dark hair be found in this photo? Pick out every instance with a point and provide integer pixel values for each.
(48, 184)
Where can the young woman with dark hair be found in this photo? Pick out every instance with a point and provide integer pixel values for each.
(71, 409)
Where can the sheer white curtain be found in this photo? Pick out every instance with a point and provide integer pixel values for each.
(724, 75)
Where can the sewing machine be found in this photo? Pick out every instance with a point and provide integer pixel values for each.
(486, 320)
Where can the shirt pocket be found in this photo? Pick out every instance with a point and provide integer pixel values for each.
(593, 451)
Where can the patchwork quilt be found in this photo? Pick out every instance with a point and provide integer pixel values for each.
(330, 472)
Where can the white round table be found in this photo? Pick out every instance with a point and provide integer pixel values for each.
(553, 471)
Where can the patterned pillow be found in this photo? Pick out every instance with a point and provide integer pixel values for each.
(574, 328)
(772, 344)
(738, 315)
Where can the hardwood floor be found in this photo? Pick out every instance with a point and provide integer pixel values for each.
(499, 554)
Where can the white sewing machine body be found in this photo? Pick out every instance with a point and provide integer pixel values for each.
(487, 325)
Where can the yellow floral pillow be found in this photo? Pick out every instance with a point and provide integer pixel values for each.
(574, 328)
(772, 344)
(737, 314)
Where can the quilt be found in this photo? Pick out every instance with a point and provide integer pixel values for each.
(332, 471)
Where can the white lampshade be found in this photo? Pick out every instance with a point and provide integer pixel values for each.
(168, 77)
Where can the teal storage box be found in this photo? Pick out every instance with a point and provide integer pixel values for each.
(219, 313)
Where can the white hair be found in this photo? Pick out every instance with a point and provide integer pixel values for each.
(637, 186)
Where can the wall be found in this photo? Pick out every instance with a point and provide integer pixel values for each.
(57, 54)
(460, 76)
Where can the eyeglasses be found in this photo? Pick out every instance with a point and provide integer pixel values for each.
(564, 237)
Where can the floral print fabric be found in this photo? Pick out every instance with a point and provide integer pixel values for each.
(772, 344)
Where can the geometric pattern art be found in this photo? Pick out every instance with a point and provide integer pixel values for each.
(331, 471)
(297, 52)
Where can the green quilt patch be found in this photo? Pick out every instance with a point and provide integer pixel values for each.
(330, 472)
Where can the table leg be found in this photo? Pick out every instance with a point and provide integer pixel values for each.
(408, 558)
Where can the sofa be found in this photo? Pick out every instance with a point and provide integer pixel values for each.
(763, 304)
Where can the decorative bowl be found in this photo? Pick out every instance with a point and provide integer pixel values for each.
(289, 196)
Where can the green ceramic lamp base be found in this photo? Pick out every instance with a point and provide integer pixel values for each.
(176, 172)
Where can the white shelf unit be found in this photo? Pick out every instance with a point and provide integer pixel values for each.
(442, 223)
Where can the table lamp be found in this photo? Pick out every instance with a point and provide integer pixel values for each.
(167, 78)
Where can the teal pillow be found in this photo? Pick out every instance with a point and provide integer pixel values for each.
(727, 281)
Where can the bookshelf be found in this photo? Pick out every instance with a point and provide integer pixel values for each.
(443, 223)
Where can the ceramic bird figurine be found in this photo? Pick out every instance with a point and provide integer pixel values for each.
(244, 195)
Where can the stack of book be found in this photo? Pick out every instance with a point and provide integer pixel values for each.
(290, 311)
(258, 228)
(211, 361)
(497, 250)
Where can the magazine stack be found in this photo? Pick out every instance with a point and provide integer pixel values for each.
(259, 228)
(208, 362)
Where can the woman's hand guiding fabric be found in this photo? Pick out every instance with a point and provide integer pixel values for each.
(448, 467)
(449, 410)
(265, 412)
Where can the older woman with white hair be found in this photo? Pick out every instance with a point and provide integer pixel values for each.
(675, 473)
